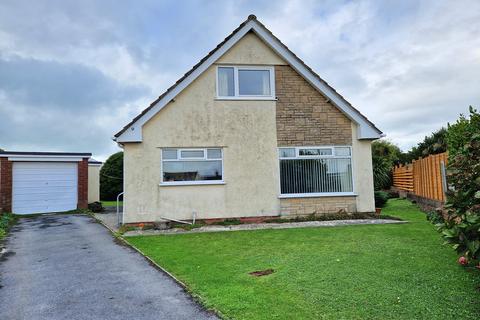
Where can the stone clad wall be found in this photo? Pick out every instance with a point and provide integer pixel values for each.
(317, 205)
(304, 117)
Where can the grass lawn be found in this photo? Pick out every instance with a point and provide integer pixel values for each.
(111, 203)
(353, 272)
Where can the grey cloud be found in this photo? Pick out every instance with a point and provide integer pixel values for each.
(73, 73)
(26, 128)
(56, 85)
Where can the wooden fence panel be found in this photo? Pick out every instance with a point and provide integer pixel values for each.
(422, 177)
(403, 177)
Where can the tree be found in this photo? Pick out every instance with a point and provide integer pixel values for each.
(432, 144)
(384, 156)
(111, 177)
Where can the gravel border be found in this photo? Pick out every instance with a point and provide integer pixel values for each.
(262, 226)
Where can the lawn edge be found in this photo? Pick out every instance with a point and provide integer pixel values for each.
(195, 297)
(268, 226)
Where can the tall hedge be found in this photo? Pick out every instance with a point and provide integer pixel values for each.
(111, 177)
(384, 155)
(462, 223)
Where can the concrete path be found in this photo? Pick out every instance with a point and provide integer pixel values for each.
(70, 267)
(261, 226)
(108, 218)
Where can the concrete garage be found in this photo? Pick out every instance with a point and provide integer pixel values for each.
(42, 182)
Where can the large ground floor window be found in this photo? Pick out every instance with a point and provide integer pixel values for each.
(316, 170)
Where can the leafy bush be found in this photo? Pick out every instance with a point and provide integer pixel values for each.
(384, 155)
(96, 207)
(381, 199)
(111, 177)
(381, 173)
(462, 223)
(6, 221)
(229, 222)
(435, 217)
(392, 194)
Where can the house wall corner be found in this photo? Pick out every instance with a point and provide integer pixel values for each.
(362, 172)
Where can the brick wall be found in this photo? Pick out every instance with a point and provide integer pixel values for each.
(83, 184)
(304, 117)
(319, 205)
(5, 185)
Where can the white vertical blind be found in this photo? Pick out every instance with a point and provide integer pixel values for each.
(315, 174)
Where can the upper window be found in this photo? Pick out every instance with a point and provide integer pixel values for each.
(245, 82)
(315, 170)
(192, 165)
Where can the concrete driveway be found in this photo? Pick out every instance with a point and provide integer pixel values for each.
(70, 267)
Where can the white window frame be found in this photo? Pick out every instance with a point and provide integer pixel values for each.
(236, 94)
(180, 158)
(332, 156)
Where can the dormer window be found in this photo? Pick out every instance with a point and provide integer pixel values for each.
(245, 82)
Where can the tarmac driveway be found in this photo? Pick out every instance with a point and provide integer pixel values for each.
(70, 267)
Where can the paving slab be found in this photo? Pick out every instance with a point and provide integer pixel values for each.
(261, 226)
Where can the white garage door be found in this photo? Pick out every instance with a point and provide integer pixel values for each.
(41, 187)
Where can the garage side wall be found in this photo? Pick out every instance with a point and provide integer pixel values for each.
(93, 183)
(5, 185)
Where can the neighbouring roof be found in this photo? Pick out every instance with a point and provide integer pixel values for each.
(93, 161)
(367, 130)
(28, 153)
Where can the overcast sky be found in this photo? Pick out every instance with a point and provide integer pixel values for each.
(73, 73)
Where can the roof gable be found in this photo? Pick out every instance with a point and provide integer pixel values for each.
(132, 132)
(250, 50)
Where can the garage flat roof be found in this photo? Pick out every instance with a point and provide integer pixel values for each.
(27, 153)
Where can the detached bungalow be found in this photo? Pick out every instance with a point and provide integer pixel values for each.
(249, 132)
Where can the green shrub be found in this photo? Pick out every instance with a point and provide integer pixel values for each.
(6, 221)
(462, 222)
(111, 177)
(392, 194)
(384, 155)
(435, 217)
(341, 215)
(188, 227)
(96, 207)
(229, 222)
(381, 198)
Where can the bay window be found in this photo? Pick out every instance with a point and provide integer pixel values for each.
(310, 171)
(192, 166)
(242, 82)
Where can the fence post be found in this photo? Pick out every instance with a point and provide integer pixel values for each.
(444, 180)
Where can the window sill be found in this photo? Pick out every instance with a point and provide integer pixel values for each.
(245, 98)
(317, 195)
(191, 183)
